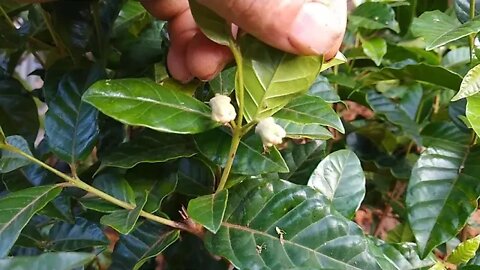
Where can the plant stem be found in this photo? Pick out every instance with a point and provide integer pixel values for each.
(82, 185)
(9, 20)
(238, 129)
(472, 36)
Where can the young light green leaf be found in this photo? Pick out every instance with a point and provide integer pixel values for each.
(273, 78)
(337, 60)
(65, 236)
(304, 131)
(273, 224)
(141, 102)
(311, 110)
(340, 176)
(473, 112)
(465, 251)
(438, 266)
(443, 179)
(209, 210)
(17, 209)
(145, 242)
(212, 25)
(10, 161)
(470, 85)
(124, 221)
(375, 48)
(48, 261)
(438, 28)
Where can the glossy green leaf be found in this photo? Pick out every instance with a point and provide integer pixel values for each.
(17, 209)
(10, 161)
(456, 58)
(424, 73)
(71, 124)
(17, 108)
(212, 25)
(209, 210)
(114, 183)
(311, 110)
(373, 16)
(132, 12)
(48, 261)
(224, 83)
(124, 221)
(195, 178)
(438, 29)
(302, 159)
(300, 131)
(442, 191)
(473, 112)
(150, 147)
(470, 85)
(65, 236)
(402, 256)
(465, 251)
(99, 205)
(250, 158)
(375, 48)
(157, 185)
(395, 113)
(322, 88)
(462, 9)
(141, 102)
(147, 241)
(341, 179)
(273, 78)
(401, 233)
(273, 224)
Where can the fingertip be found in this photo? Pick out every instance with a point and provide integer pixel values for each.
(205, 58)
(176, 65)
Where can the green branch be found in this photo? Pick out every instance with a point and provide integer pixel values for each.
(238, 130)
(472, 36)
(76, 182)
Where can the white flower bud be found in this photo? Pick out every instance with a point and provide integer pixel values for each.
(222, 110)
(270, 132)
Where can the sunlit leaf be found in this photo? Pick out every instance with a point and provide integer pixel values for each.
(209, 210)
(141, 102)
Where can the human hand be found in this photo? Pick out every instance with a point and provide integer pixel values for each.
(304, 27)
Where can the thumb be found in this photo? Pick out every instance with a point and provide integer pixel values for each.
(304, 27)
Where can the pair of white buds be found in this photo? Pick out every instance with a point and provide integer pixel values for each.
(224, 112)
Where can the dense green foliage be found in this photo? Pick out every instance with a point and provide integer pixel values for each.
(127, 169)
